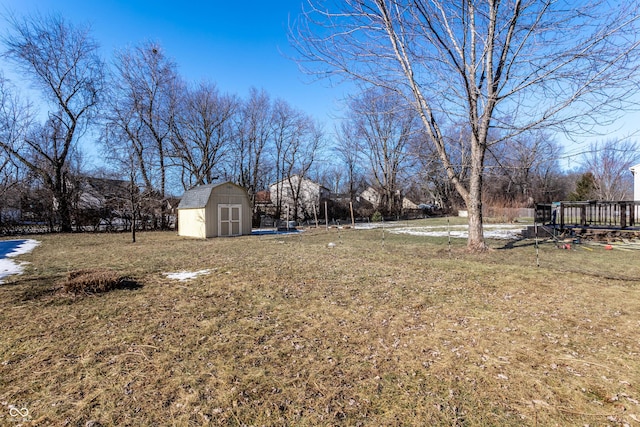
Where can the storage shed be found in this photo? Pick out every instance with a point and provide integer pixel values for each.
(214, 210)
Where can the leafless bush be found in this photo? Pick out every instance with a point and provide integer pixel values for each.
(91, 281)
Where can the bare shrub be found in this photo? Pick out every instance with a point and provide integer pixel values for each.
(91, 281)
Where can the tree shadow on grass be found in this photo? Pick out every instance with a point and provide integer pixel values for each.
(517, 243)
(129, 284)
(32, 288)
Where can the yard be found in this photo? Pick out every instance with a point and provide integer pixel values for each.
(339, 327)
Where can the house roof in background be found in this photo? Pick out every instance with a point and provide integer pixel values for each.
(295, 177)
(263, 196)
(95, 193)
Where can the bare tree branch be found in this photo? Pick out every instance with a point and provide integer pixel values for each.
(512, 66)
(61, 61)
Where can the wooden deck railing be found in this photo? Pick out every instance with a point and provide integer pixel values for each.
(619, 214)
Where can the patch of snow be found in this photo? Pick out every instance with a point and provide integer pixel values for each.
(9, 267)
(491, 231)
(273, 231)
(372, 225)
(186, 275)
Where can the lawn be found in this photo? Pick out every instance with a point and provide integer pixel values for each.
(375, 329)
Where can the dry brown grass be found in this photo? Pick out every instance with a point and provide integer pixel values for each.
(92, 281)
(289, 331)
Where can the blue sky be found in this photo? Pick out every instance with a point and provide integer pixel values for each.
(235, 44)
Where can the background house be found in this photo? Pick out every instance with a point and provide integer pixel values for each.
(101, 203)
(298, 195)
(215, 210)
(635, 170)
(107, 205)
(373, 196)
(408, 204)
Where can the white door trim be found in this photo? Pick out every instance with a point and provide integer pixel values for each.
(230, 221)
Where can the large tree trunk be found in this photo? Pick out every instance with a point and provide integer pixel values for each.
(473, 199)
(64, 213)
(65, 216)
(475, 242)
(62, 198)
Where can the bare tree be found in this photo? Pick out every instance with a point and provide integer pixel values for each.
(297, 159)
(385, 127)
(131, 203)
(521, 169)
(349, 151)
(15, 119)
(609, 162)
(254, 129)
(202, 133)
(62, 62)
(295, 143)
(10, 182)
(548, 183)
(509, 65)
(431, 177)
(143, 106)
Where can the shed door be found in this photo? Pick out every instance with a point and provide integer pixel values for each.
(229, 220)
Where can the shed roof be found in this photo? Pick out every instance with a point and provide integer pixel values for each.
(197, 197)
